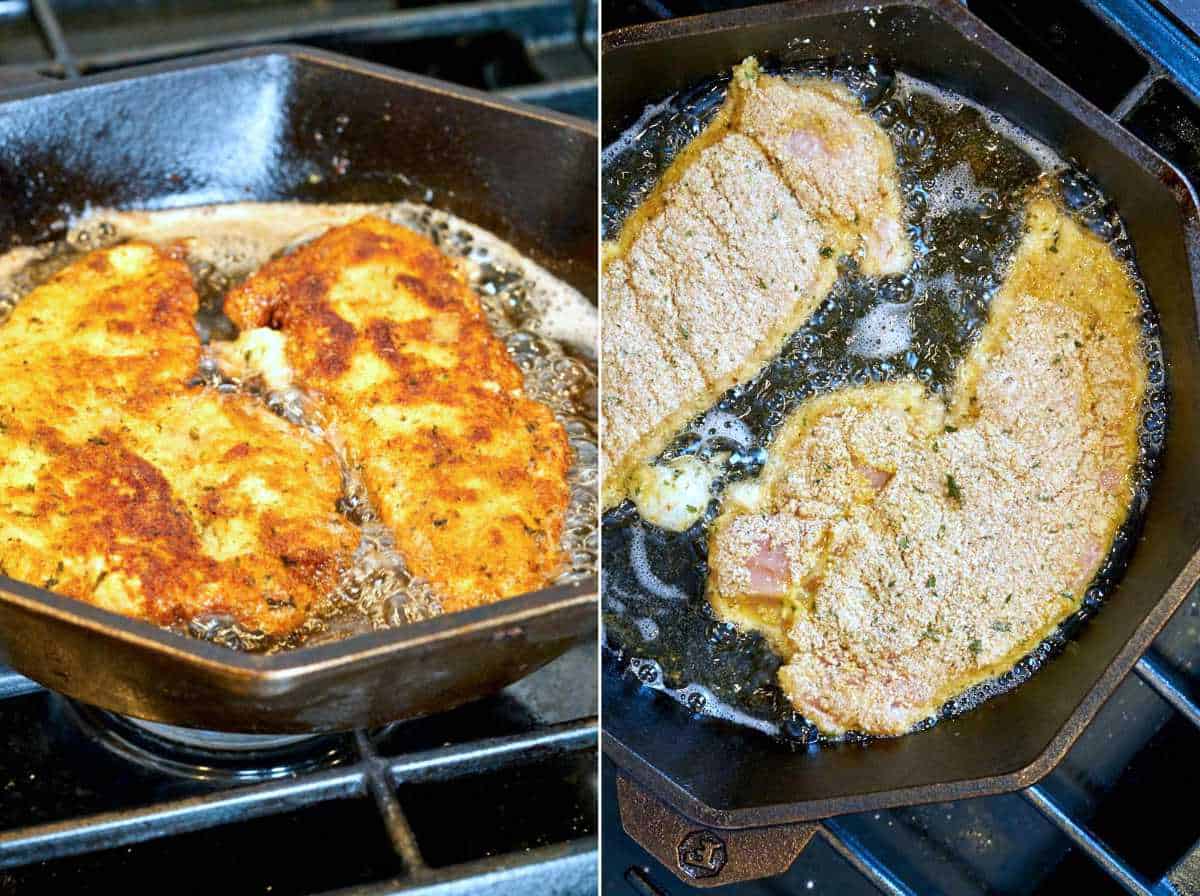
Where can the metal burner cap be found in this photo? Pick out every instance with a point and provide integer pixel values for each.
(211, 755)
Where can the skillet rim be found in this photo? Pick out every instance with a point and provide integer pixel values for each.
(47, 86)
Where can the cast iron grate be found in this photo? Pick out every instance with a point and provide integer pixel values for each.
(501, 793)
(539, 51)
(1111, 818)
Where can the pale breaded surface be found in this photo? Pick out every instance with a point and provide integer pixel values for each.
(734, 249)
(705, 290)
(836, 160)
(468, 474)
(125, 487)
(896, 551)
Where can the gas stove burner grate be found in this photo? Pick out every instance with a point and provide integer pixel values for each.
(216, 756)
(496, 795)
(536, 51)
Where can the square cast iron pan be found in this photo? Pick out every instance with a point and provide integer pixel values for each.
(256, 125)
(721, 777)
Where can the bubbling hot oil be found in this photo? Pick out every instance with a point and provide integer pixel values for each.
(965, 175)
(548, 327)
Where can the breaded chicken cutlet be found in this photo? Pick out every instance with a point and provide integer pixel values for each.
(896, 550)
(734, 249)
(469, 474)
(125, 487)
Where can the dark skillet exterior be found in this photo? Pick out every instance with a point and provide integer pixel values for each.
(725, 777)
(290, 123)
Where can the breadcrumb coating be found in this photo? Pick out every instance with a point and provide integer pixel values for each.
(468, 473)
(124, 486)
(952, 539)
(734, 249)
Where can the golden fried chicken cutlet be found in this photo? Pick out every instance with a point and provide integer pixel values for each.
(734, 249)
(468, 473)
(896, 551)
(123, 486)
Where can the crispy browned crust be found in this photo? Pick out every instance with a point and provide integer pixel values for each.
(468, 473)
(123, 486)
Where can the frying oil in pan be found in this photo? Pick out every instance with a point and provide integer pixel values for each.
(548, 327)
(965, 173)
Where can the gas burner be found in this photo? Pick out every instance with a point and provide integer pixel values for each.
(216, 756)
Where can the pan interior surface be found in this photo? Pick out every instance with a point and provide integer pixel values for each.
(967, 178)
(276, 124)
(734, 777)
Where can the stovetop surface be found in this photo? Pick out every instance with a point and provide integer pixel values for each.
(503, 789)
(1115, 816)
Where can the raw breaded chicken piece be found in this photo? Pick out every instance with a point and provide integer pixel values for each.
(896, 551)
(468, 474)
(703, 296)
(123, 486)
(734, 249)
(837, 161)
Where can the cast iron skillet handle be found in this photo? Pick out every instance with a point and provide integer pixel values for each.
(707, 857)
